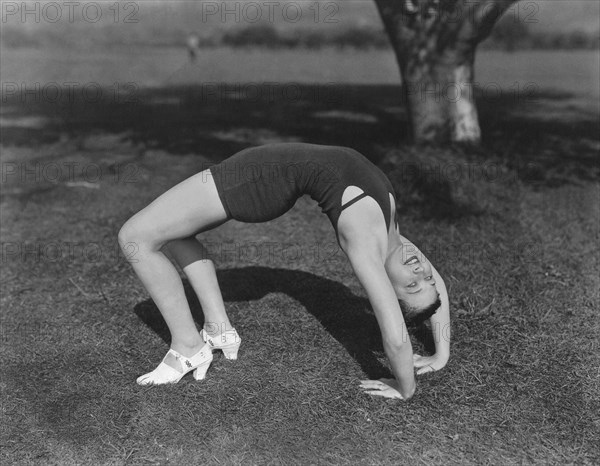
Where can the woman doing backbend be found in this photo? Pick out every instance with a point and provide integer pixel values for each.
(260, 184)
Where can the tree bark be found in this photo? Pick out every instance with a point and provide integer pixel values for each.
(435, 44)
(440, 100)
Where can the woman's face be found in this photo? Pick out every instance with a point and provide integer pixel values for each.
(411, 277)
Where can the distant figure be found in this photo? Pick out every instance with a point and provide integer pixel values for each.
(412, 9)
(193, 43)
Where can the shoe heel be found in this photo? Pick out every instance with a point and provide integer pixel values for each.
(200, 371)
(231, 353)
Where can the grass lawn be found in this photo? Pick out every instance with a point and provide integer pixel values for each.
(512, 226)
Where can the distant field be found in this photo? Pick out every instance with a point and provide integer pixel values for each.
(550, 84)
(574, 72)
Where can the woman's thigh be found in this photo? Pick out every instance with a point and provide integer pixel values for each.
(184, 210)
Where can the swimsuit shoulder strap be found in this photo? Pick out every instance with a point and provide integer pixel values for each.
(352, 201)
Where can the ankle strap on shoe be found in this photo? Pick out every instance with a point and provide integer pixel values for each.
(228, 336)
(198, 358)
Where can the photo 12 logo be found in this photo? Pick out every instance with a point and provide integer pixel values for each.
(66, 252)
(455, 91)
(69, 93)
(253, 12)
(272, 252)
(268, 91)
(471, 10)
(71, 12)
(67, 172)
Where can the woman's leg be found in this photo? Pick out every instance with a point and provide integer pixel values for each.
(191, 206)
(193, 258)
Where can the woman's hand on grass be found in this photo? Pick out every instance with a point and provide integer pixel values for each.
(382, 387)
(425, 364)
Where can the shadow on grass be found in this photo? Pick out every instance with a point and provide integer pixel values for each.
(219, 120)
(519, 144)
(345, 316)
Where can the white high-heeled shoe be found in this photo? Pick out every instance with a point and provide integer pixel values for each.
(164, 374)
(229, 342)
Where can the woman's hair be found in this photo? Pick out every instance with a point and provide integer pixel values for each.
(416, 316)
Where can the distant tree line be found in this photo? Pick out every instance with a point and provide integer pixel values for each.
(268, 36)
(507, 35)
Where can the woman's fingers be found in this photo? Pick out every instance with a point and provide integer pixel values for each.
(385, 393)
(375, 392)
(418, 358)
(427, 364)
(382, 387)
(425, 370)
(389, 382)
(419, 361)
(372, 385)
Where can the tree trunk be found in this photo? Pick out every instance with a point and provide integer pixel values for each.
(435, 45)
(440, 101)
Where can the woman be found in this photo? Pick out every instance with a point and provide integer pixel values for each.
(257, 185)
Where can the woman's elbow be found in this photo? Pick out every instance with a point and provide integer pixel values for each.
(397, 345)
(408, 394)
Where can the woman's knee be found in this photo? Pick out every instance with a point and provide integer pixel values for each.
(135, 232)
(127, 233)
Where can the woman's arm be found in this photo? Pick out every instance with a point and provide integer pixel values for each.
(440, 327)
(371, 273)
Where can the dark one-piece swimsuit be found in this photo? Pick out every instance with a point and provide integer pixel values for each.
(262, 183)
